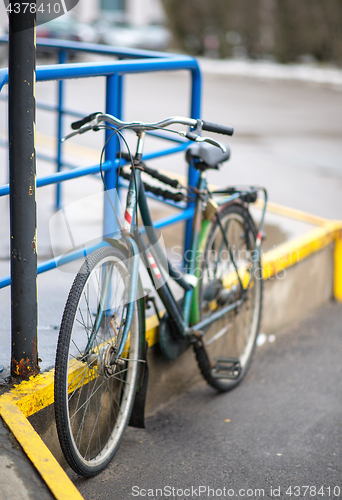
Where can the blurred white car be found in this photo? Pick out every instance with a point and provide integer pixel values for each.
(150, 37)
(66, 27)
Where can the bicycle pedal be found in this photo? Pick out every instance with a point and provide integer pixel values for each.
(229, 368)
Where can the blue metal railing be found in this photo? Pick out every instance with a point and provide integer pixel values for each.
(128, 62)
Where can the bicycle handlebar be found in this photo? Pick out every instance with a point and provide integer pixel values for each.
(77, 125)
(95, 119)
(215, 127)
(191, 122)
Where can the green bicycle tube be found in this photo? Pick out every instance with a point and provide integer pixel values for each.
(191, 262)
(203, 236)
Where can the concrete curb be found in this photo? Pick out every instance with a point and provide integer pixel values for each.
(322, 244)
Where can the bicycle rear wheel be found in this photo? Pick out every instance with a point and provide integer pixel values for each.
(93, 395)
(225, 351)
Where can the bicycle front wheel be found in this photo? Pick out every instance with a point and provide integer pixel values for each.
(225, 351)
(95, 390)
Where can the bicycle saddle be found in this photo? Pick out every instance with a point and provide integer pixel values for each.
(206, 155)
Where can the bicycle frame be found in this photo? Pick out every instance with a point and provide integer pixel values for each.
(110, 302)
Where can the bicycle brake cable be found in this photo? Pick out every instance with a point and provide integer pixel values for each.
(118, 131)
(103, 179)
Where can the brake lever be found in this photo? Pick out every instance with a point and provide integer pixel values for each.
(197, 138)
(91, 126)
(214, 143)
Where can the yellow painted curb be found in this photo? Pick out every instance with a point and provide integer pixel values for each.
(40, 456)
(152, 329)
(294, 251)
(37, 393)
(32, 395)
(338, 265)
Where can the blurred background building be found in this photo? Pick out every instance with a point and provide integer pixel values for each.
(286, 30)
(280, 30)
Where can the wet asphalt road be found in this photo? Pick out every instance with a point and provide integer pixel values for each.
(281, 428)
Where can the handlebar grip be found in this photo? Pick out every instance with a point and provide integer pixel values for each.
(77, 125)
(215, 127)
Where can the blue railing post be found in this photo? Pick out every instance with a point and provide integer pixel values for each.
(120, 95)
(62, 57)
(196, 89)
(113, 107)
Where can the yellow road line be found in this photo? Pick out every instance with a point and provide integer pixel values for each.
(38, 392)
(70, 148)
(50, 142)
(40, 456)
(292, 213)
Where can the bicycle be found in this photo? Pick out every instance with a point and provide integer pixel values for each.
(101, 354)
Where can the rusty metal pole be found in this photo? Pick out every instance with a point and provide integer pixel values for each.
(22, 157)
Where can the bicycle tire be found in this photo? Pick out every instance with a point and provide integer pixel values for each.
(233, 336)
(94, 398)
